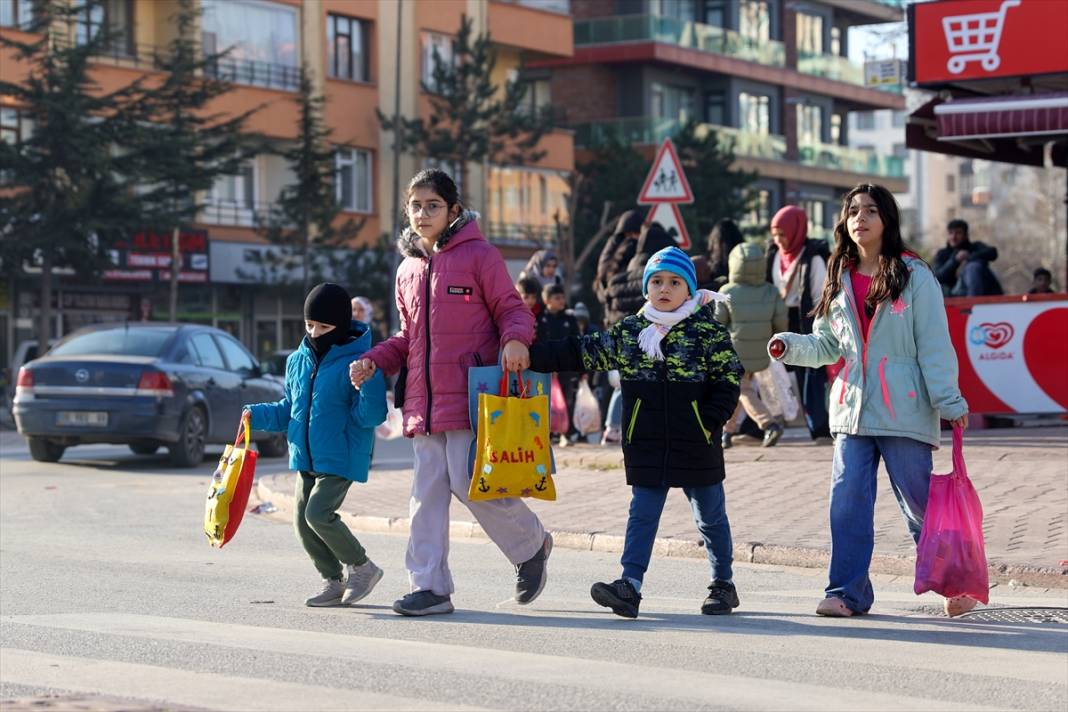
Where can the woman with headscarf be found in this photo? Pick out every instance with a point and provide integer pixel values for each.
(797, 266)
(544, 267)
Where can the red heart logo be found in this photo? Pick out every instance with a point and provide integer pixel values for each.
(1045, 359)
(997, 335)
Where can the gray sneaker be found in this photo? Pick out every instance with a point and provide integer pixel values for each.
(423, 603)
(362, 580)
(329, 596)
(530, 576)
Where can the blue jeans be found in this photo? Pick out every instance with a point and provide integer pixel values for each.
(814, 400)
(709, 513)
(853, 487)
(615, 409)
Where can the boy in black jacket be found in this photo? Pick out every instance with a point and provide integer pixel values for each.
(680, 379)
(556, 323)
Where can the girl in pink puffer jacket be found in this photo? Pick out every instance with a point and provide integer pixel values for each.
(457, 309)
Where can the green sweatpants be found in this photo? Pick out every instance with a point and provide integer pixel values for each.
(323, 535)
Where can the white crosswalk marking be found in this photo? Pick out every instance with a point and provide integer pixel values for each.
(197, 689)
(675, 687)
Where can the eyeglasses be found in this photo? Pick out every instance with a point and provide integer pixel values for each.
(430, 209)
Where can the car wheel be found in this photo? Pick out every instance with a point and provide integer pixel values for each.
(275, 446)
(44, 450)
(189, 450)
(144, 448)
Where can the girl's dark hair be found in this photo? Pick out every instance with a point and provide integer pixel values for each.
(439, 182)
(723, 238)
(891, 276)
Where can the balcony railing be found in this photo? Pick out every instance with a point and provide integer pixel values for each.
(669, 30)
(520, 234)
(229, 212)
(560, 7)
(854, 160)
(838, 68)
(255, 73)
(644, 131)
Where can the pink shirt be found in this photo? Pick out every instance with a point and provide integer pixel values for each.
(861, 285)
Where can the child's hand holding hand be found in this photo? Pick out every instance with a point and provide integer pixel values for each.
(361, 371)
(516, 356)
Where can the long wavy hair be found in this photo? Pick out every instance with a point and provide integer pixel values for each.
(891, 276)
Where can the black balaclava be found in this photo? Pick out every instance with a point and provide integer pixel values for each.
(328, 303)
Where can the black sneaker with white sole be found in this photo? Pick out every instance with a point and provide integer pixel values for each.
(531, 575)
(619, 595)
(423, 603)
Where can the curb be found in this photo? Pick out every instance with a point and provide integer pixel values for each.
(748, 552)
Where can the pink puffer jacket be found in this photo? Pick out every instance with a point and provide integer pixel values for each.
(469, 310)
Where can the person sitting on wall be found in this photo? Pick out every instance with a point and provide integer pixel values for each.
(1042, 282)
(963, 266)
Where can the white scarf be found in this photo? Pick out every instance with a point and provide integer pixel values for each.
(650, 337)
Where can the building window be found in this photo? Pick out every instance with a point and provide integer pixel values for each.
(353, 181)
(865, 120)
(347, 45)
(522, 203)
(760, 214)
(814, 210)
(16, 13)
(754, 20)
(809, 124)
(809, 34)
(951, 183)
(13, 128)
(836, 41)
(899, 119)
(262, 37)
(233, 197)
(113, 19)
(836, 128)
(716, 108)
(434, 44)
(900, 151)
(753, 113)
(671, 102)
(716, 13)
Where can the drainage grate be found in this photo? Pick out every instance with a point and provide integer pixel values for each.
(1038, 614)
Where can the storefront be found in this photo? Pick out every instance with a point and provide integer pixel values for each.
(999, 71)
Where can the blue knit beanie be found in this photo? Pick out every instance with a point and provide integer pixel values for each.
(674, 260)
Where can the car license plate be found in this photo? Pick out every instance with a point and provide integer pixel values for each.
(82, 417)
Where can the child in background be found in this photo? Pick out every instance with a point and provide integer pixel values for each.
(553, 324)
(458, 309)
(330, 428)
(680, 381)
(753, 312)
(529, 290)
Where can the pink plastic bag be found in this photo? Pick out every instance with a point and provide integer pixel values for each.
(951, 558)
(559, 421)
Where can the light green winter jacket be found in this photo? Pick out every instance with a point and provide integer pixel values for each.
(755, 310)
(904, 379)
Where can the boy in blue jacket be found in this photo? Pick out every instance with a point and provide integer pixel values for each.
(330, 427)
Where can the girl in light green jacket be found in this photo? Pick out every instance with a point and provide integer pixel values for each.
(882, 312)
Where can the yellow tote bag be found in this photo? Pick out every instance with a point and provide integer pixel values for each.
(512, 456)
(230, 487)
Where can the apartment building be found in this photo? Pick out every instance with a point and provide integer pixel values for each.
(770, 76)
(363, 55)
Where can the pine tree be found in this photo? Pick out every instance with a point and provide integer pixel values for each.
(302, 220)
(470, 119)
(70, 183)
(183, 149)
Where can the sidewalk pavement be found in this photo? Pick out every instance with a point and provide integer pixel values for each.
(777, 502)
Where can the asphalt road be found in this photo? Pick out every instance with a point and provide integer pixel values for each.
(107, 586)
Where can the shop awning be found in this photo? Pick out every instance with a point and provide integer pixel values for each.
(1003, 117)
(924, 132)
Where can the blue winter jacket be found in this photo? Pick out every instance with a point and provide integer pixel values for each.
(329, 424)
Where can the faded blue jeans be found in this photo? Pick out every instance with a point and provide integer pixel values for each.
(709, 513)
(615, 410)
(853, 487)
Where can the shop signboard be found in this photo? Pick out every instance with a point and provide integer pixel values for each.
(954, 40)
(146, 257)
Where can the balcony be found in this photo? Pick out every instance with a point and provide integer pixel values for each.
(525, 235)
(668, 30)
(831, 66)
(852, 160)
(234, 213)
(649, 131)
(255, 73)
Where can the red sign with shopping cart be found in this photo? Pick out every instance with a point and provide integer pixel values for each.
(954, 40)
